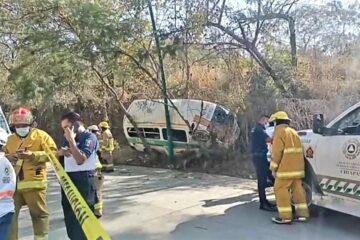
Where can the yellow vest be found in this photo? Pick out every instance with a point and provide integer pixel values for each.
(106, 136)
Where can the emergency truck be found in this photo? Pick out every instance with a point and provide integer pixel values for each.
(332, 154)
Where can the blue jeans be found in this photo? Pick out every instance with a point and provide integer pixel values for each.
(5, 225)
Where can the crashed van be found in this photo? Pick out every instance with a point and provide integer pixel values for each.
(193, 122)
(332, 154)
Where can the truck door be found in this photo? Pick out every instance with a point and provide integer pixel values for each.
(338, 156)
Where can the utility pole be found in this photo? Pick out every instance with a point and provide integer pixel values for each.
(170, 143)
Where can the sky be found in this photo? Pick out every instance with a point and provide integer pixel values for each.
(240, 3)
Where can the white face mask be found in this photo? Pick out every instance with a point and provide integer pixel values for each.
(22, 132)
(267, 125)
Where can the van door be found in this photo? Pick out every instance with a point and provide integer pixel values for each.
(338, 157)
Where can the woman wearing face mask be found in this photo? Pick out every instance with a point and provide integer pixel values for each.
(24, 149)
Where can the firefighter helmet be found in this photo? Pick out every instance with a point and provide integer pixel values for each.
(281, 115)
(104, 125)
(21, 115)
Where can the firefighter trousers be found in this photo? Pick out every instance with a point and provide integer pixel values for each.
(107, 161)
(99, 183)
(282, 190)
(36, 200)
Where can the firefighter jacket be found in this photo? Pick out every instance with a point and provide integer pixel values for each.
(31, 173)
(107, 141)
(287, 157)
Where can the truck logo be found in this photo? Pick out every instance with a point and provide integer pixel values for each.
(351, 149)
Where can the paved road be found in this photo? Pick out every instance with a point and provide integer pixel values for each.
(143, 203)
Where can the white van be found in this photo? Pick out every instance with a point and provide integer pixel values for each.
(205, 118)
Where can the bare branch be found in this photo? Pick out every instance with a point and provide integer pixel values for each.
(258, 24)
(221, 11)
(122, 106)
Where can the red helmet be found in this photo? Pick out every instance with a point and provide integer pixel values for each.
(21, 116)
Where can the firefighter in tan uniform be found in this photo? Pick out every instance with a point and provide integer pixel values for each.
(287, 163)
(99, 178)
(107, 147)
(24, 149)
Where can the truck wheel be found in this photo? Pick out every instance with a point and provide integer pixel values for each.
(308, 193)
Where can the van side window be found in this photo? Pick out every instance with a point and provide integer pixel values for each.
(153, 133)
(177, 135)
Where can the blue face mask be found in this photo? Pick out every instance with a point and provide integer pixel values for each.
(22, 132)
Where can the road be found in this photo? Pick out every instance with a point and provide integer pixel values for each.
(143, 203)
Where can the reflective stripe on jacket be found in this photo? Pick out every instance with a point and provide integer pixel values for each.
(32, 174)
(287, 157)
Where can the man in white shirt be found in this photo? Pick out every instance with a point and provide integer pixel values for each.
(270, 132)
(7, 190)
(79, 151)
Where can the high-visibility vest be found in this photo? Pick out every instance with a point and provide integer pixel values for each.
(106, 136)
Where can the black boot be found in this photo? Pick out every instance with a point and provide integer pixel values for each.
(267, 207)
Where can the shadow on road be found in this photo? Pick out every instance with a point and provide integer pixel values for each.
(246, 221)
(230, 200)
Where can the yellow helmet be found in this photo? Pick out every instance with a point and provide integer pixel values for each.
(281, 115)
(104, 125)
(272, 118)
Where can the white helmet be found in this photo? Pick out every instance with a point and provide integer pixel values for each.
(93, 128)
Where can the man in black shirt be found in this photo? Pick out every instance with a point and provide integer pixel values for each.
(259, 149)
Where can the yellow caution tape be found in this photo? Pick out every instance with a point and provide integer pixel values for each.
(89, 223)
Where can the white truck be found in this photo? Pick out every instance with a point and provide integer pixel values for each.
(332, 154)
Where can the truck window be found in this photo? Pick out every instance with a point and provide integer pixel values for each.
(177, 135)
(350, 124)
(153, 133)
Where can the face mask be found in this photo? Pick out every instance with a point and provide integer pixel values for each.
(267, 125)
(22, 132)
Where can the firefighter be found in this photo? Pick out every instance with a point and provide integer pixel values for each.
(107, 147)
(99, 178)
(25, 149)
(287, 164)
